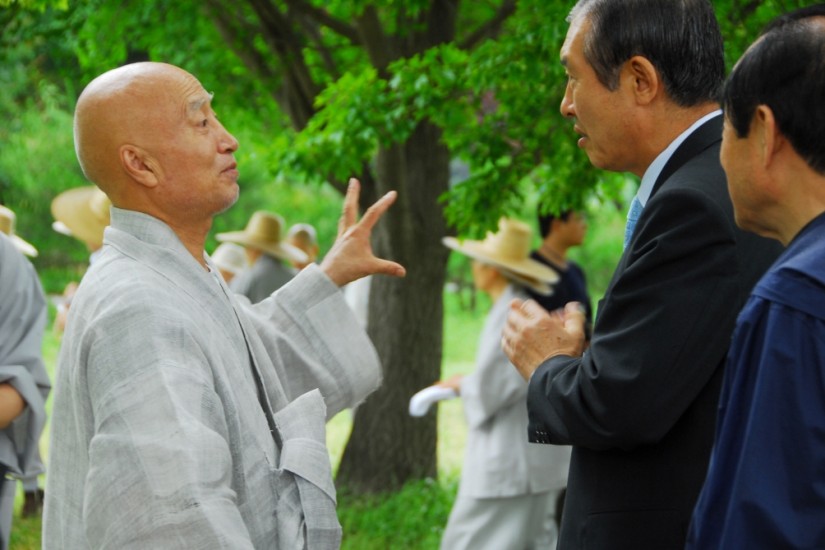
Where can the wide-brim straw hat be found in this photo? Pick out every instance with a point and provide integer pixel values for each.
(263, 231)
(229, 257)
(509, 250)
(82, 213)
(8, 221)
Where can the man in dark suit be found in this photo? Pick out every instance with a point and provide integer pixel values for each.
(639, 405)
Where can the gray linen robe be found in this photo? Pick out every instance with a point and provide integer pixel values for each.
(167, 387)
(262, 278)
(502, 471)
(499, 460)
(22, 321)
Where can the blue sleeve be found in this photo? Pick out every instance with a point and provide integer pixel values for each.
(765, 486)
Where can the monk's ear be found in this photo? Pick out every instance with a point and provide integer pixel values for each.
(643, 78)
(139, 165)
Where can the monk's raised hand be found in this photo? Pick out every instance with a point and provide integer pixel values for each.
(351, 256)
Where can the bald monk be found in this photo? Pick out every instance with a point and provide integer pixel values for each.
(184, 417)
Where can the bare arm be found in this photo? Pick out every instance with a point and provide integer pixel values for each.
(11, 405)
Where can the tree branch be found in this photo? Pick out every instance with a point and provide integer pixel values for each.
(441, 21)
(747, 10)
(324, 18)
(379, 49)
(300, 90)
(491, 28)
(311, 27)
(238, 37)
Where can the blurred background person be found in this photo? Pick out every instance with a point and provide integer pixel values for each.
(32, 493)
(508, 486)
(560, 234)
(81, 213)
(268, 256)
(230, 259)
(24, 383)
(304, 237)
(8, 225)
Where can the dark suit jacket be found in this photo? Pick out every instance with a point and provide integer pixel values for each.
(640, 406)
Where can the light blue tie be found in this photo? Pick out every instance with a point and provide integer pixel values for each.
(632, 217)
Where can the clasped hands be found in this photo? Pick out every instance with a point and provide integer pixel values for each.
(532, 335)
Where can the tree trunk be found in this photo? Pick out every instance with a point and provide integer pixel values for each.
(387, 447)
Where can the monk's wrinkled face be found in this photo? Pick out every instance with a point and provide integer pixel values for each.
(193, 152)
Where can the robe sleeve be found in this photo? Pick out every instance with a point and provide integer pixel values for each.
(315, 341)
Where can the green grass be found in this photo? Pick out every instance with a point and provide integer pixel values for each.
(412, 518)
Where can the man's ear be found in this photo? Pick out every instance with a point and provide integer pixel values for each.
(644, 78)
(139, 165)
(771, 140)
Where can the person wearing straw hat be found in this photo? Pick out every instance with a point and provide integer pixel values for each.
(32, 493)
(230, 259)
(183, 415)
(304, 237)
(82, 213)
(507, 485)
(8, 224)
(24, 383)
(267, 254)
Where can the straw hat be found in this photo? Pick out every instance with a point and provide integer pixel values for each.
(509, 250)
(8, 219)
(82, 213)
(264, 233)
(229, 257)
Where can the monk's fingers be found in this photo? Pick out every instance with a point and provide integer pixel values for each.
(374, 212)
(349, 214)
(387, 267)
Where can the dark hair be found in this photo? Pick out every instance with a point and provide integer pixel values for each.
(546, 221)
(681, 38)
(785, 70)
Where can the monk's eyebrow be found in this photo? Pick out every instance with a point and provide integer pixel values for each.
(197, 104)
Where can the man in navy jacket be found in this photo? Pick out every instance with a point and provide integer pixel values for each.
(764, 487)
